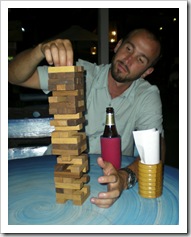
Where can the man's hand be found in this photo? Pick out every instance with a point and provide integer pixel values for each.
(58, 52)
(115, 183)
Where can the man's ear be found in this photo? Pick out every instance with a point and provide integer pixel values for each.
(147, 72)
(118, 45)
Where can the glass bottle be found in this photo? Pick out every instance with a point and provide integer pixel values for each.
(110, 127)
(111, 141)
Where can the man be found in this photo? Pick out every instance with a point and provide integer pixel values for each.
(136, 103)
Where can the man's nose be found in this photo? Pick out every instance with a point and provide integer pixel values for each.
(129, 59)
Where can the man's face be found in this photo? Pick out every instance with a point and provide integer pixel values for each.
(134, 57)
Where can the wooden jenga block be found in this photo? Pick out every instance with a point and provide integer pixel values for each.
(83, 194)
(72, 159)
(74, 185)
(65, 110)
(75, 139)
(67, 122)
(69, 146)
(63, 171)
(58, 79)
(61, 179)
(64, 134)
(65, 69)
(79, 168)
(56, 99)
(78, 197)
(85, 178)
(66, 77)
(72, 102)
(72, 76)
(68, 116)
(65, 99)
(65, 87)
(69, 128)
(68, 93)
(60, 199)
(59, 150)
(76, 169)
(68, 191)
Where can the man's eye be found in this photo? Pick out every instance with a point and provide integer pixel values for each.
(129, 48)
(142, 61)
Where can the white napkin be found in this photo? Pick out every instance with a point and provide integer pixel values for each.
(148, 145)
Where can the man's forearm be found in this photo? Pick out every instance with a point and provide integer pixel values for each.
(22, 67)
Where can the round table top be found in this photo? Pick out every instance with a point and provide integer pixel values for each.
(32, 199)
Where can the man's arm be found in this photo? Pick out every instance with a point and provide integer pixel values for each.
(22, 70)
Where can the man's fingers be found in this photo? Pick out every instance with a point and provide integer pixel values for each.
(58, 52)
(107, 179)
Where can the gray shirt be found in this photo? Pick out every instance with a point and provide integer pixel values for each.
(138, 108)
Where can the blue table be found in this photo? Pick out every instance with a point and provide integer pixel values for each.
(31, 198)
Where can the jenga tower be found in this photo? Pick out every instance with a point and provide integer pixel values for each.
(68, 142)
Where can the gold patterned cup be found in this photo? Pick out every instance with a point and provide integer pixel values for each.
(150, 180)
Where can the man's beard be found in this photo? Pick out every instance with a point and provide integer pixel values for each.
(117, 76)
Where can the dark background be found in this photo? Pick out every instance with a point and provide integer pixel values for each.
(42, 24)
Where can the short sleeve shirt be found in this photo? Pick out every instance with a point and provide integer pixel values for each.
(138, 108)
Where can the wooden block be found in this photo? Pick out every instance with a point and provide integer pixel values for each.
(68, 116)
(60, 200)
(67, 110)
(69, 149)
(56, 99)
(72, 159)
(65, 69)
(78, 197)
(75, 185)
(65, 81)
(62, 170)
(66, 101)
(65, 87)
(83, 193)
(68, 87)
(69, 146)
(67, 171)
(68, 93)
(63, 180)
(68, 106)
(68, 191)
(69, 128)
(65, 76)
(67, 122)
(59, 190)
(78, 168)
(61, 134)
(84, 179)
(75, 139)
(58, 151)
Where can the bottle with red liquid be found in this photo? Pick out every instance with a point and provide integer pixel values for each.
(111, 140)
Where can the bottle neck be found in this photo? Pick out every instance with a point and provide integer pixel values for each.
(110, 119)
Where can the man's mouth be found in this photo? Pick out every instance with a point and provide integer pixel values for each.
(122, 67)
